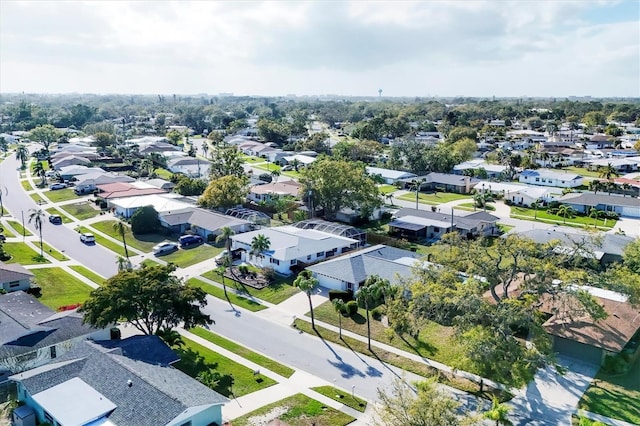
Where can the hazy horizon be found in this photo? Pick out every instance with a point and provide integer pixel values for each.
(525, 49)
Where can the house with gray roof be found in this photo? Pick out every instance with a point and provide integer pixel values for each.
(443, 182)
(122, 383)
(31, 334)
(348, 272)
(582, 202)
(202, 222)
(543, 177)
(390, 176)
(431, 226)
(14, 277)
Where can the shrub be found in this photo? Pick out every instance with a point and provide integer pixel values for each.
(211, 238)
(508, 202)
(352, 307)
(269, 274)
(244, 269)
(35, 290)
(343, 295)
(377, 313)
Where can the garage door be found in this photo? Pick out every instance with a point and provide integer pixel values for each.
(579, 351)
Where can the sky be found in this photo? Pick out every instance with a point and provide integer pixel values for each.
(422, 48)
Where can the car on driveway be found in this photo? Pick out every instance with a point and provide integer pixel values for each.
(164, 248)
(189, 240)
(58, 185)
(55, 219)
(87, 238)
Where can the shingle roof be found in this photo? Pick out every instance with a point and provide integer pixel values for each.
(463, 222)
(157, 394)
(213, 221)
(604, 244)
(13, 272)
(591, 199)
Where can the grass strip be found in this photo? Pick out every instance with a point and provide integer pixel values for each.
(342, 397)
(85, 272)
(7, 232)
(19, 229)
(26, 184)
(52, 252)
(37, 198)
(219, 293)
(244, 352)
(105, 242)
(58, 195)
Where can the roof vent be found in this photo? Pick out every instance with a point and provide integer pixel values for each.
(129, 383)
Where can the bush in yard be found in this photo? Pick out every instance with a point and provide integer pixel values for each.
(269, 274)
(244, 269)
(377, 313)
(352, 307)
(145, 220)
(343, 295)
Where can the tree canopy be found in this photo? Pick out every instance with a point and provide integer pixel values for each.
(225, 161)
(151, 299)
(224, 192)
(145, 220)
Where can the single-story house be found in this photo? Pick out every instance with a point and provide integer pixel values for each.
(591, 341)
(161, 202)
(291, 246)
(443, 182)
(544, 177)
(92, 156)
(621, 165)
(634, 185)
(190, 166)
(431, 226)
(31, 334)
(493, 170)
(390, 176)
(70, 160)
(265, 192)
(584, 201)
(90, 181)
(349, 271)
(606, 247)
(14, 277)
(303, 160)
(600, 142)
(112, 191)
(163, 184)
(528, 195)
(70, 172)
(124, 382)
(201, 221)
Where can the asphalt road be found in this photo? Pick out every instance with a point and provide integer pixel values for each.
(61, 237)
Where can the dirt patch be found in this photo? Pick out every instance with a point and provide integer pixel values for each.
(270, 418)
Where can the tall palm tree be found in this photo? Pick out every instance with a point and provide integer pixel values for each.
(260, 243)
(595, 186)
(205, 148)
(370, 290)
(121, 229)
(626, 189)
(566, 210)
(536, 205)
(220, 270)
(123, 264)
(306, 282)
(593, 212)
(608, 172)
(296, 164)
(415, 185)
(38, 170)
(22, 154)
(4, 145)
(37, 216)
(225, 235)
(498, 412)
(338, 305)
(275, 174)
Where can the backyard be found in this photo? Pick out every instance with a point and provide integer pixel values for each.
(434, 198)
(60, 288)
(576, 221)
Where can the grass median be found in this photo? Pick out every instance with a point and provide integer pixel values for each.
(234, 299)
(52, 252)
(88, 274)
(19, 229)
(342, 397)
(105, 242)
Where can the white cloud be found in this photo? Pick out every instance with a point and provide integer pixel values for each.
(407, 48)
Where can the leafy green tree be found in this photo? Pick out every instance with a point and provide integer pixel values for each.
(459, 133)
(224, 192)
(104, 140)
(216, 138)
(225, 161)
(631, 256)
(37, 217)
(46, 135)
(338, 306)
(4, 145)
(151, 299)
(22, 154)
(121, 229)
(145, 220)
(464, 149)
(174, 137)
(498, 413)
(336, 184)
(273, 131)
(307, 283)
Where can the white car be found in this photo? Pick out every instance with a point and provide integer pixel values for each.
(164, 248)
(55, 186)
(87, 238)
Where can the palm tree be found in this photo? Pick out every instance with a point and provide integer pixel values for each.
(544, 156)
(171, 337)
(607, 172)
(306, 282)
(123, 264)
(225, 235)
(121, 229)
(498, 412)
(146, 165)
(38, 170)
(593, 212)
(626, 189)
(338, 305)
(370, 290)
(37, 216)
(566, 210)
(220, 270)
(595, 186)
(296, 164)
(4, 145)
(275, 174)
(205, 148)
(536, 205)
(415, 185)
(260, 243)
(22, 154)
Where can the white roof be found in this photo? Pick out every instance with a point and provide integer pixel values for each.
(500, 186)
(74, 402)
(304, 159)
(538, 191)
(160, 202)
(388, 173)
(424, 221)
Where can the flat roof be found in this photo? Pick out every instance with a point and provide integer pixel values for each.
(74, 402)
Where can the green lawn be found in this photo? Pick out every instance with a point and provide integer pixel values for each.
(342, 397)
(27, 185)
(249, 159)
(111, 245)
(582, 171)
(577, 221)
(388, 189)
(143, 243)
(470, 207)
(6, 232)
(163, 173)
(505, 228)
(191, 256)
(53, 210)
(235, 379)
(23, 254)
(52, 252)
(299, 410)
(277, 292)
(267, 167)
(81, 211)
(37, 198)
(88, 274)
(60, 288)
(617, 397)
(19, 229)
(435, 198)
(60, 195)
(245, 353)
(219, 293)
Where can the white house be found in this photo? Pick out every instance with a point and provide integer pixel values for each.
(528, 195)
(127, 206)
(544, 177)
(14, 277)
(390, 176)
(290, 246)
(190, 166)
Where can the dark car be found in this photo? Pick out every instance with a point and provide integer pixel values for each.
(188, 240)
(55, 219)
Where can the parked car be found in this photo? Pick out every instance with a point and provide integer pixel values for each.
(55, 219)
(58, 185)
(87, 238)
(164, 248)
(188, 240)
(220, 257)
(83, 191)
(286, 168)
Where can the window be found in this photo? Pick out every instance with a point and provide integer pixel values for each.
(293, 262)
(537, 179)
(436, 229)
(14, 284)
(52, 351)
(320, 254)
(186, 423)
(309, 257)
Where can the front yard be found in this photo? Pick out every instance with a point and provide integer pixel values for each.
(434, 198)
(23, 254)
(193, 255)
(81, 211)
(234, 299)
(275, 293)
(60, 288)
(143, 243)
(576, 221)
(60, 195)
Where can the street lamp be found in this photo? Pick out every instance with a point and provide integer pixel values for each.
(353, 389)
